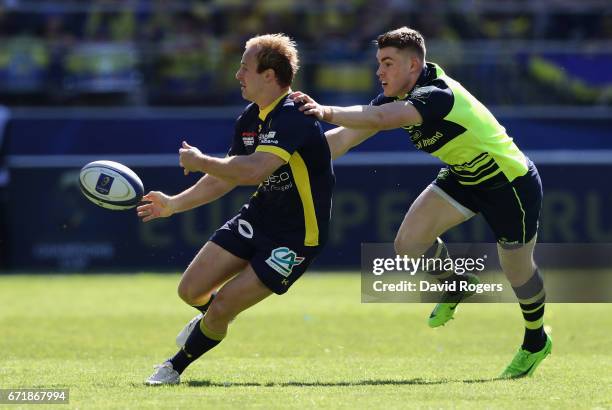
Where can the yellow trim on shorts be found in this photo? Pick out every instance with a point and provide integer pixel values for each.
(522, 210)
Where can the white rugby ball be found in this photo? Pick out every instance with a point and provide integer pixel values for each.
(111, 185)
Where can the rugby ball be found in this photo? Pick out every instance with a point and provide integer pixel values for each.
(111, 185)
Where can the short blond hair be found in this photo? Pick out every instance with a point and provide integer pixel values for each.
(278, 52)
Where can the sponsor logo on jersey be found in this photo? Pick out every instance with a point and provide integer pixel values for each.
(415, 135)
(277, 182)
(427, 142)
(268, 138)
(248, 138)
(283, 260)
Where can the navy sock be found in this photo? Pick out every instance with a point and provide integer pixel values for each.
(203, 308)
(200, 341)
(531, 296)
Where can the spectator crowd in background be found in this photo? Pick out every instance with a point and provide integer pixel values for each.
(164, 52)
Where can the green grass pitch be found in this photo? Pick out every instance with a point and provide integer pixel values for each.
(315, 347)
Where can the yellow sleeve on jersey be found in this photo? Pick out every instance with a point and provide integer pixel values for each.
(279, 152)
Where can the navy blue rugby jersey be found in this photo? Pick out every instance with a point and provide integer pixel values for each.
(294, 203)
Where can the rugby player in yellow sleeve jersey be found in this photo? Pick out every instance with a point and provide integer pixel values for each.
(485, 173)
(274, 238)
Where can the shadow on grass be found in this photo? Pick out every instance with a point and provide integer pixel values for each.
(416, 381)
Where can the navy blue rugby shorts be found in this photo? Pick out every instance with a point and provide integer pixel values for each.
(277, 264)
(511, 210)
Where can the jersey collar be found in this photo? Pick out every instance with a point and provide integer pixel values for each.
(429, 72)
(263, 112)
(424, 77)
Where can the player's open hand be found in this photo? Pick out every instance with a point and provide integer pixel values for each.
(310, 106)
(189, 158)
(159, 205)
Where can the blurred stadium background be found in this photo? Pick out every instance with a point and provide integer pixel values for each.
(128, 80)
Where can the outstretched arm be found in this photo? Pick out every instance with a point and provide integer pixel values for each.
(160, 205)
(341, 139)
(238, 170)
(382, 117)
(223, 174)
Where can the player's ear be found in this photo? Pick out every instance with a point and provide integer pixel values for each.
(416, 64)
(269, 74)
(412, 61)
